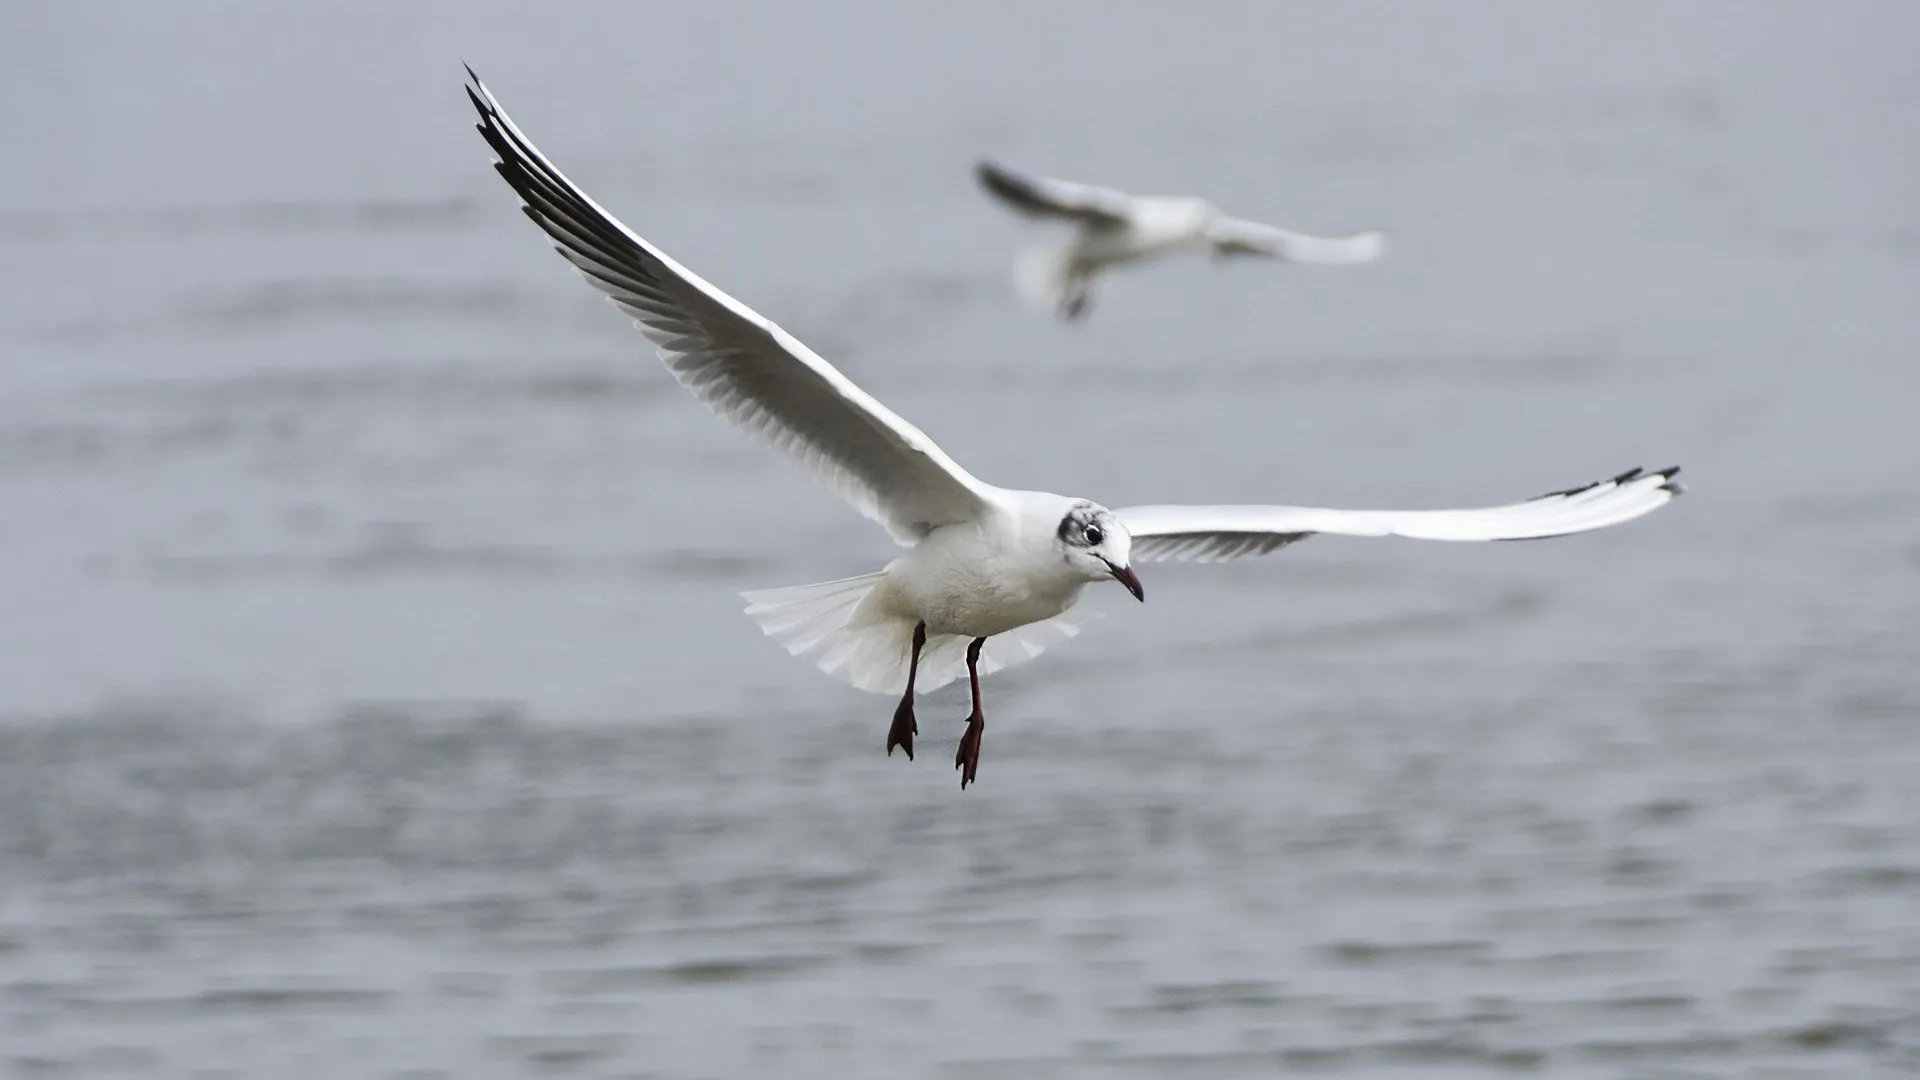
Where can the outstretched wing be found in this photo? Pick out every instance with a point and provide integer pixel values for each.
(1219, 533)
(1233, 236)
(1040, 197)
(739, 364)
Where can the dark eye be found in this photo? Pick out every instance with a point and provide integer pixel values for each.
(1094, 535)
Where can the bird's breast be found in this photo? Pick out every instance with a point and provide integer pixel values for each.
(972, 585)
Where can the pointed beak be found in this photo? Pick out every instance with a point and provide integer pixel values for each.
(1125, 576)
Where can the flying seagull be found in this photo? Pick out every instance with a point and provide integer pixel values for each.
(1113, 228)
(991, 574)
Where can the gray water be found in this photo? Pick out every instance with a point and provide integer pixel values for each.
(378, 700)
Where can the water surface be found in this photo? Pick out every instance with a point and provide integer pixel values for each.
(379, 702)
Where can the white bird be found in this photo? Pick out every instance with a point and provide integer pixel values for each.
(1113, 228)
(991, 574)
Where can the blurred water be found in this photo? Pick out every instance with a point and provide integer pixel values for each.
(380, 703)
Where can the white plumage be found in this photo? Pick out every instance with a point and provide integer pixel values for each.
(986, 567)
(1113, 229)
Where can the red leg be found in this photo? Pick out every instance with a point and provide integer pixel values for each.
(968, 759)
(905, 727)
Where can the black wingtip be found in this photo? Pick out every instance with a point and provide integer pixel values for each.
(1567, 492)
(1636, 473)
(479, 85)
(994, 174)
(480, 106)
(1668, 483)
(477, 93)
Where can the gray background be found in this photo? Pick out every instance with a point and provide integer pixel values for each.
(379, 701)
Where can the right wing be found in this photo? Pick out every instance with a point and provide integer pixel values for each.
(739, 364)
(1234, 236)
(1219, 533)
(1040, 197)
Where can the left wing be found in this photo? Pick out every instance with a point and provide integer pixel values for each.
(1234, 236)
(741, 365)
(1045, 197)
(1219, 533)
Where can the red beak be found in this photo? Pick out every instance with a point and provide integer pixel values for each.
(1125, 576)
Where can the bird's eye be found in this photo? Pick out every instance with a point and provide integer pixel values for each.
(1094, 535)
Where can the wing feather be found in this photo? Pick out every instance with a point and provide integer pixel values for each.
(1218, 533)
(1042, 197)
(743, 366)
(1234, 236)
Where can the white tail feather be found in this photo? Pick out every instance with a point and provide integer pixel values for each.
(869, 647)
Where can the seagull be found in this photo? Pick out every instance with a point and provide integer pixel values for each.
(1115, 228)
(991, 575)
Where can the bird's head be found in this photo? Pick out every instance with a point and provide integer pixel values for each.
(1095, 544)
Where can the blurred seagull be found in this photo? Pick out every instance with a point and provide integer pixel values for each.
(991, 574)
(1114, 228)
